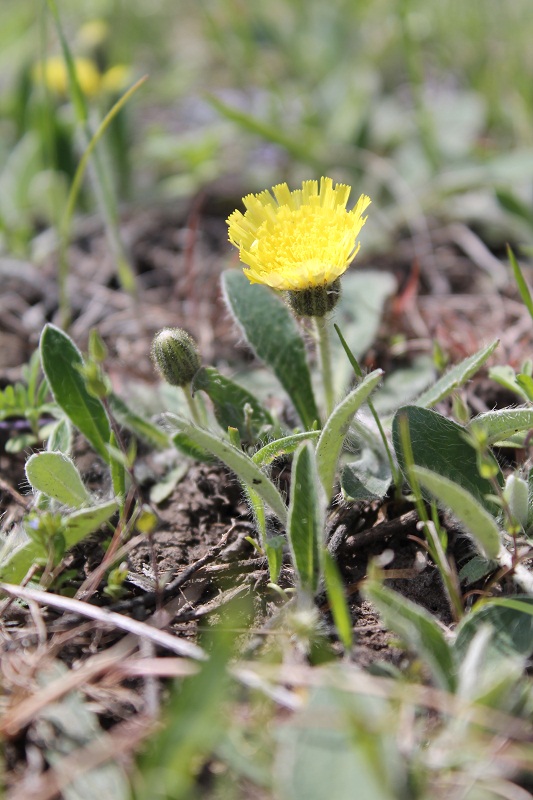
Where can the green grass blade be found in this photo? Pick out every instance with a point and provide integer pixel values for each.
(107, 202)
(523, 288)
(78, 98)
(274, 553)
(337, 600)
(256, 127)
(82, 166)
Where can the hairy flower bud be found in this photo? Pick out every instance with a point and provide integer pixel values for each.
(316, 301)
(175, 356)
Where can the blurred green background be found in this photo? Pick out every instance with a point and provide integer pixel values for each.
(426, 105)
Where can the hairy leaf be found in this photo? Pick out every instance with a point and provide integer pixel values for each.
(235, 406)
(440, 445)
(306, 518)
(61, 361)
(456, 377)
(56, 475)
(476, 519)
(334, 432)
(270, 330)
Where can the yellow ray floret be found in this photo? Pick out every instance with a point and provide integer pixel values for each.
(300, 239)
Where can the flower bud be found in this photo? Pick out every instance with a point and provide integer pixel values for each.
(175, 356)
(516, 493)
(316, 301)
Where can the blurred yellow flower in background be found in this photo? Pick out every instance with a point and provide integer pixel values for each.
(53, 73)
(116, 78)
(93, 33)
(298, 240)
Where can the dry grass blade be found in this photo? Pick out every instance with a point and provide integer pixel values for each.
(123, 739)
(108, 618)
(355, 680)
(23, 713)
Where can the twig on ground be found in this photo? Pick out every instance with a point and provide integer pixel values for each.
(400, 526)
(149, 599)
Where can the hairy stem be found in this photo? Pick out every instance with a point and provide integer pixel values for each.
(322, 328)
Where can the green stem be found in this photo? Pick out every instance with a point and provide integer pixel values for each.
(191, 402)
(322, 329)
(395, 472)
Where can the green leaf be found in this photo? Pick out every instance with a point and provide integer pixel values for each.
(82, 523)
(511, 619)
(272, 546)
(515, 206)
(368, 478)
(305, 527)
(417, 629)
(142, 428)
(476, 569)
(281, 447)
(235, 407)
(342, 746)
(189, 448)
(456, 377)
(334, 432)
(506, 377)
(56, 475)
(60, 437)
(61, 361)
(337, 600)
(273, 335)
(241, 464)
(476, 519)
(439, 444)
(526, 384)
(500, 425)
(18, 558)
(20, 442)
(160, 491)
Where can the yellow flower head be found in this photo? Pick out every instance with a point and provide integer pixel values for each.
(298, 240)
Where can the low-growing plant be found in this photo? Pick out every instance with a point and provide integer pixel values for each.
(333, 430)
